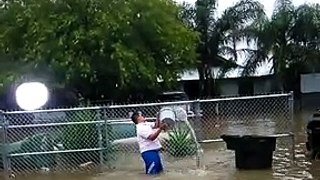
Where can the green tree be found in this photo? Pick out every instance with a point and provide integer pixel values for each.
(99, 47)
(219, 34)
(290, 40)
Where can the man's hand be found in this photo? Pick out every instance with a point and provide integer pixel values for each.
(157, 123)
(163, 126)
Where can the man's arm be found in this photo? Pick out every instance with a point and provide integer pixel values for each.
(157, 123)
(154, 135)
(149, 134)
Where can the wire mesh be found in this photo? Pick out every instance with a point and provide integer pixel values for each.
(56, 142)
(177, 144)
(104, 138)
(262, 116)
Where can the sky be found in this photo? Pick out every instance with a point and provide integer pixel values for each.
(268, 5)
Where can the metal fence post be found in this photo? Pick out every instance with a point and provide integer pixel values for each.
(5, 153)
(100, 136)
(216, 108)
(106, 149)
(199, 134)
(291, 113)
(197, 123)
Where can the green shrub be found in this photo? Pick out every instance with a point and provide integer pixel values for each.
(37, 143)
(180, 144)
(85, 136)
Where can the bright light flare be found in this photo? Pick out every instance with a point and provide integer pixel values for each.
(32, 95)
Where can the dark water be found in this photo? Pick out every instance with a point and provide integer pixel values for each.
(219, 164)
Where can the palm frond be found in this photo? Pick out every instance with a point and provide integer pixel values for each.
(240, 14)
(227, 68)
(256, 31)
(187, 15)
(282, 7)
(306, 26)
(204, 14)
(282, 18)
(227, 50)
(254, 59)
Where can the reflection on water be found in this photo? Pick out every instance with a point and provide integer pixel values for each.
(220, 163)
(260, 126)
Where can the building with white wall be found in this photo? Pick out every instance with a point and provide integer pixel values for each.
(233, 84)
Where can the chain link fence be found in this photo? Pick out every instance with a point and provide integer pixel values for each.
(104, 138)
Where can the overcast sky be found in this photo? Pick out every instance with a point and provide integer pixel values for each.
(268, 5)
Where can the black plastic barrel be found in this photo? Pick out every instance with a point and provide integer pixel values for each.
(313, 136)
(251, 151)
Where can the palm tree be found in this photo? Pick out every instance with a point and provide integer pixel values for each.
(290, 40)
(219, 35)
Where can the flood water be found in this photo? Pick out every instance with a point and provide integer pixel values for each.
(219, 164)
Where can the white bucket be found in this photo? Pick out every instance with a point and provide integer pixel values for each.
(167, 115)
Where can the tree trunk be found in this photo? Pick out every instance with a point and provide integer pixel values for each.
(210, 82)
(201, 81)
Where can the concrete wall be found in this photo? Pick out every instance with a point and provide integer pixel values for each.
(262, 86)
(309, 101)
(310, 83)
(310, 92)
(229, 87)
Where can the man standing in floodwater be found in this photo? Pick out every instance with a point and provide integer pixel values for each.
(149, 144)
